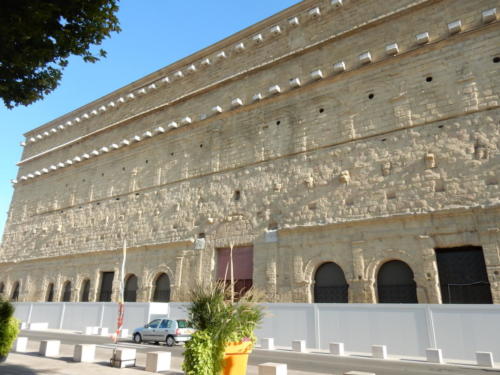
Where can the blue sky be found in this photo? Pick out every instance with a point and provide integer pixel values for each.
(155, 33)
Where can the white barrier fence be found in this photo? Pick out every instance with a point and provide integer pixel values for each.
(406, 330)
(78, 316)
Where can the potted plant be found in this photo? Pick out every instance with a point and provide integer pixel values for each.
(224, 334)
(9, 328)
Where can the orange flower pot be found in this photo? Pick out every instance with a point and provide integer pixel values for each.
(236, 358)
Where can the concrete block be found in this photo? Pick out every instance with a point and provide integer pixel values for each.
(205, 62)
(337, 3)
(316, 74)
(49, 348)
(299, 346)
(337, 348)
(95, 330)
(38, 326)
(258, 38)
(294, 21)
(158, 361)
(485, 359)
(422, 38)
(275, 30)
(489, 15)
(392, 49)
(455, 27)
(267, 343)
(314, 12)
(379, 351)
(271, 368)
(240, 47)
(20, 345)
(295, 82)
(84, 353)
(273, 90)
(434, 355)
(124, 357)
(103, 331)
(89, 330)
(359, 373)
(365, 58)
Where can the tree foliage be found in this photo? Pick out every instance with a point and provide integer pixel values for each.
(38, 36)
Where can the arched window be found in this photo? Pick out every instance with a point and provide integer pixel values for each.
(85, 291)
(66, 297)
(395, 283)
(330, 285)
(162, 289)
(2, 287)
(15, 291)
(50, 293)
(130, 294)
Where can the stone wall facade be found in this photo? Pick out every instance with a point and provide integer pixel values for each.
(354, 132)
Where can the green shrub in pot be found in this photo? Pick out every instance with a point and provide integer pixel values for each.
(9, 328)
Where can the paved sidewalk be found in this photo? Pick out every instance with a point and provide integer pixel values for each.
(31, 363)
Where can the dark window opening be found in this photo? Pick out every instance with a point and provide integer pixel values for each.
(330, 285)
(162, 288)
(15, 292)
(462, 275)
(2, 287)
(496, 60)
(85, 297)
(278, 122)
(201, 145)
(201, 235)
(130, 293)
(429, 79)
(371, 96)
(321, 110)
(237, 195)
(395, 283)
(106, 286)
(50, 293)
(147, 161)
(66, 297)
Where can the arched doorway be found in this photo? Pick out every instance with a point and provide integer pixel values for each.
(130, 294)
(330, 285)
(162, 288)
(15, 291)
(395, 283)
(85, 291)
(50, 293)
(66, 296)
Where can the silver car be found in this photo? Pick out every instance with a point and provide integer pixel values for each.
(164, 330)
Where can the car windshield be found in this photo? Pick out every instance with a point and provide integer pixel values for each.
(183, 324)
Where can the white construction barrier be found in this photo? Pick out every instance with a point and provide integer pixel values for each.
(267, 343)
(49, 348)
(103, 331)
(38, 326)
(84, 353)
(95, 330)
(158, 361)
(434, 355)
(89, 330)
(379, 351)
(337, 348)
(271, 368)
(485, 359)
(299, 346)
(124, 357)
(20, 345)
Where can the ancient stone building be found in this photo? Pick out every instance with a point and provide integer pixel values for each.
(347, 149)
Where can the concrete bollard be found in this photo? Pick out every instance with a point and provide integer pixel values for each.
(103, 331)
(485, 359)
(20, 345)
(84, 353)
(267, 343)
(359, 373)
(49, 348)
(158, 361)
(89, 330)
(124, 357)
(124, 333)
(271, 368)
(299, 346)
(434, 355)
(337, 348)
(379, 351)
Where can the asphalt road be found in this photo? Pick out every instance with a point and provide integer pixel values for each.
(313, 363)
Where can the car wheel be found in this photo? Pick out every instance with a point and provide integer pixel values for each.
(137, 338)
(170, 341)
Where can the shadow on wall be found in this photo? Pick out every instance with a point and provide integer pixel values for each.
(6, 369)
